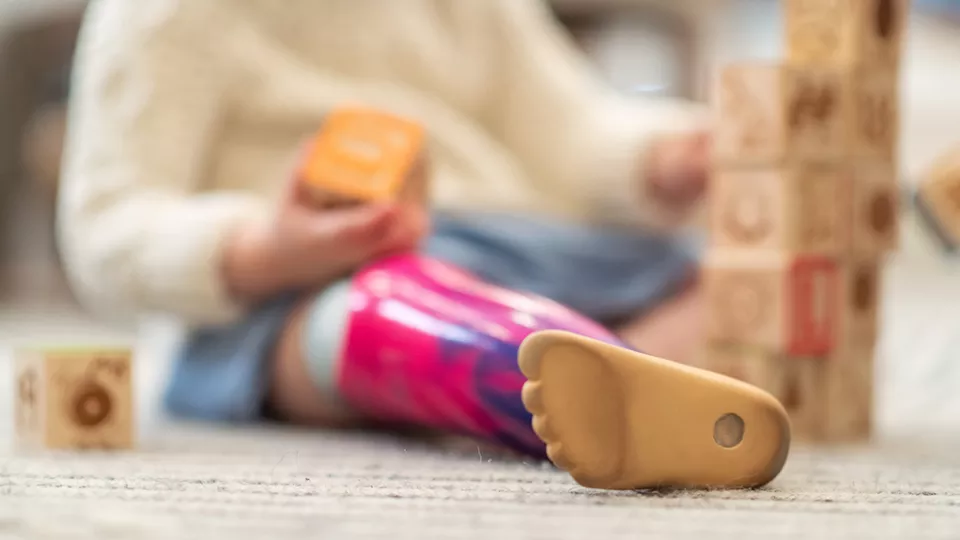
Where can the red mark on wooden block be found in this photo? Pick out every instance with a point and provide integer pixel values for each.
(813, 286)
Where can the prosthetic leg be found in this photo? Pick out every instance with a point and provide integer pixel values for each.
(427, 344)
(411, 340)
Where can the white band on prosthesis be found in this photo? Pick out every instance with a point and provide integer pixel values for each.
(324, 334)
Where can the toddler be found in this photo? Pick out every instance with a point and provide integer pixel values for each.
(178, 195)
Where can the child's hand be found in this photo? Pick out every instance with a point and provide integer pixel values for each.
(678, 169)
(306, 246)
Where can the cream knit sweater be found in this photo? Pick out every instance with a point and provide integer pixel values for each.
(186, 115)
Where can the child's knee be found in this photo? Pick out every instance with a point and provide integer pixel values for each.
(303, 364)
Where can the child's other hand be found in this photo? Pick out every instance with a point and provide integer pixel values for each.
(306, 246)
(678, 169)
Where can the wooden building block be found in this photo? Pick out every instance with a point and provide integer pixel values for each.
(805, 397)
(846, 32)
(753, 365)
(876, 209)
(873, 121)
(773, 114)
(860, 294)
(363, 155)
(849, 393)
(785, 302)
(803, 208)
(938, 200)
(73, 399)
(769, 112)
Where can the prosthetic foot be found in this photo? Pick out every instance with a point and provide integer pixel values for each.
(618, 419)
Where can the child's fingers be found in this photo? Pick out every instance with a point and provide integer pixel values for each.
(700, 151)
(684, 162)
(357, 225)
(294, 190)
(410, 227)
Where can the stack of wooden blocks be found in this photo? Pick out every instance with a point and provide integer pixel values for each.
(804, 207)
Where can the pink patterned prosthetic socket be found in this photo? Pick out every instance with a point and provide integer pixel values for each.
(431, 345)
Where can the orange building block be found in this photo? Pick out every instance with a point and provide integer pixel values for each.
(365, 155)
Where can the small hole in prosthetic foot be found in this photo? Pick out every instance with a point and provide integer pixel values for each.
(728, 431)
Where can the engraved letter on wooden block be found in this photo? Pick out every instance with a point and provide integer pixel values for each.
(746, 208)
(745, 300)
(817, 30)
(845, 32)
(74, 399)
(879, 37)
(876, 201)
(861, 303)
(29, 399)
(873, 128)
(802, 208)
(787, 303)
(770, 113)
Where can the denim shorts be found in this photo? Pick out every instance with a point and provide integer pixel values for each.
(608, 275)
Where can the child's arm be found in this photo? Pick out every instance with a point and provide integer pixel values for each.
(569, 128)
(138, 231)
(147, 102)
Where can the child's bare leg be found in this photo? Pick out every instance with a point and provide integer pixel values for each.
(673, 330)
(293, 393)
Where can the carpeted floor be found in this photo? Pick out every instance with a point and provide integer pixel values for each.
(211, 482)
(197, 483)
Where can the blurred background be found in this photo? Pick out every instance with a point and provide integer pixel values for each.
(661, 46)
(667, 46)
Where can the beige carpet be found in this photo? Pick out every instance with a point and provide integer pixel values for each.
(198, 483)
(205, 482)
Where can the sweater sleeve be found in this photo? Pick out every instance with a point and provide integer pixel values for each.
(137, 232)
(570, 129)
